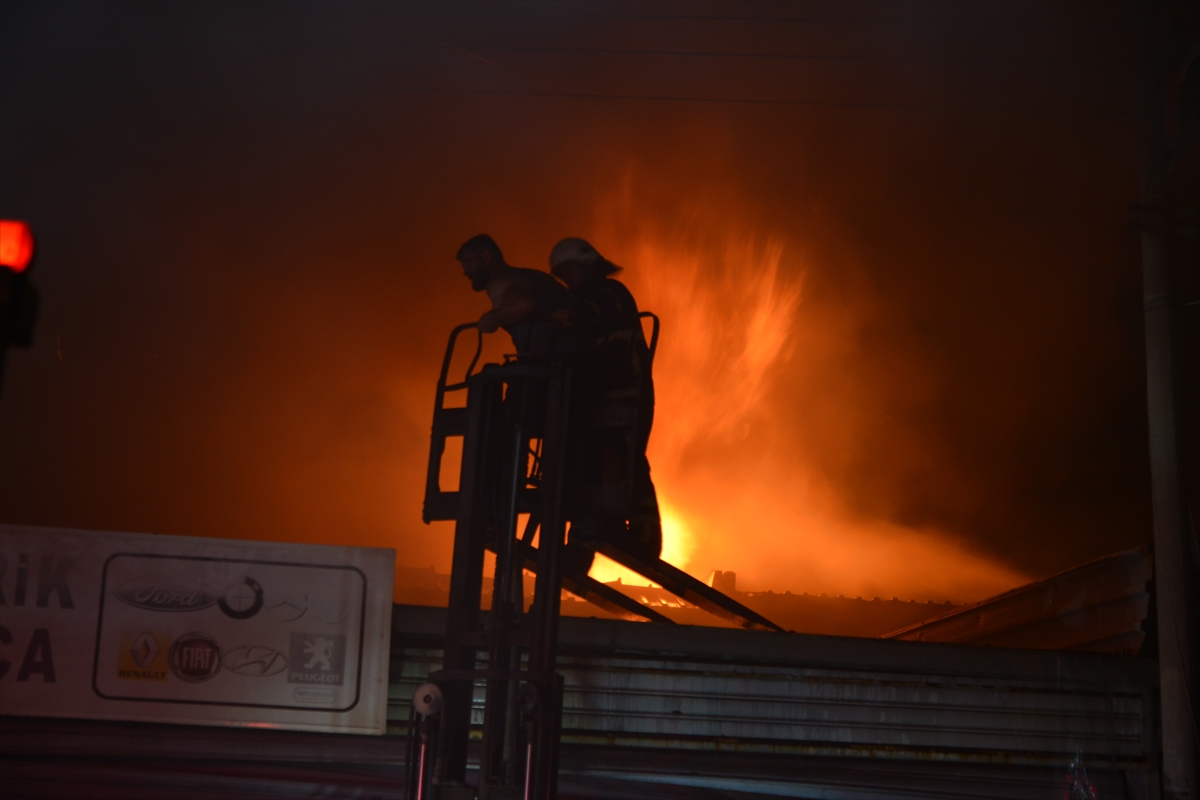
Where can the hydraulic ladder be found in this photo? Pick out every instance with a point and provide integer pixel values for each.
(515, 428)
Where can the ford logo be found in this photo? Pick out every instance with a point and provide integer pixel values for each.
(156, 595)
(255, 661)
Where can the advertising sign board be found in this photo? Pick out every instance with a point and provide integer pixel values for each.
(199, 631)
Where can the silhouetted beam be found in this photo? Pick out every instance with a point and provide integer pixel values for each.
(611, 600)
(685, 587)
(604, 597)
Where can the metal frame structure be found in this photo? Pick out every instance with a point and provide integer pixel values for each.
(516, 428)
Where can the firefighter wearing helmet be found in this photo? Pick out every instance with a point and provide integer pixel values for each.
(615, 366)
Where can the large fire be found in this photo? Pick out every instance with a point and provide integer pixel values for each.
(767, 407)
(738, 487)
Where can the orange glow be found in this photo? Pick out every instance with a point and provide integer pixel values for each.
(16, 245)
(768, 404)
(740, 487)
(678, 544)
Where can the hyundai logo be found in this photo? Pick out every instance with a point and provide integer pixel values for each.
(255, 661)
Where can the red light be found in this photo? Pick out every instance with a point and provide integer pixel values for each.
(16, 244)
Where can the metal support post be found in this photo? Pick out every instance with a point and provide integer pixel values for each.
(466, 578)
(1171, 557)
(548, 591)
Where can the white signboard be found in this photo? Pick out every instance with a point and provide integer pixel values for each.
(199, 631)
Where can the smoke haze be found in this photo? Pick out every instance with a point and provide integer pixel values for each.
(901, 349)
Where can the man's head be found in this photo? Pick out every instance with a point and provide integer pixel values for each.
(480, 257)
(575, 262)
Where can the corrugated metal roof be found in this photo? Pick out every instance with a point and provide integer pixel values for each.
(1099, 607)
(802, 613)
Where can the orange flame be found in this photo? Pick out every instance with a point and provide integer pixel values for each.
(736, 492)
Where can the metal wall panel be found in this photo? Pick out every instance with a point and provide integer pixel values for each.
(793, 715)
(685, 712)
(783, 709)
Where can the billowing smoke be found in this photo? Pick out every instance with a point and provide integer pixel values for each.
(738, 474)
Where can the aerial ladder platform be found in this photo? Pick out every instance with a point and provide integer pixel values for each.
(516, 427)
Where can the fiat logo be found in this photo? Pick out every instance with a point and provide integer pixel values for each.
(195, 658)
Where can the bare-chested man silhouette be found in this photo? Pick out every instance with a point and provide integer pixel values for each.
(523, 300)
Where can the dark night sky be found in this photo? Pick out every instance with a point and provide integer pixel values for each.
(247, 216)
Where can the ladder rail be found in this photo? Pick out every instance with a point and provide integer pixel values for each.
(442, 386)
(447, 422)
(691, 589)
(654, 331)
(601, 595)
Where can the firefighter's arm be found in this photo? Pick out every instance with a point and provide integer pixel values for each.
(510, 306)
